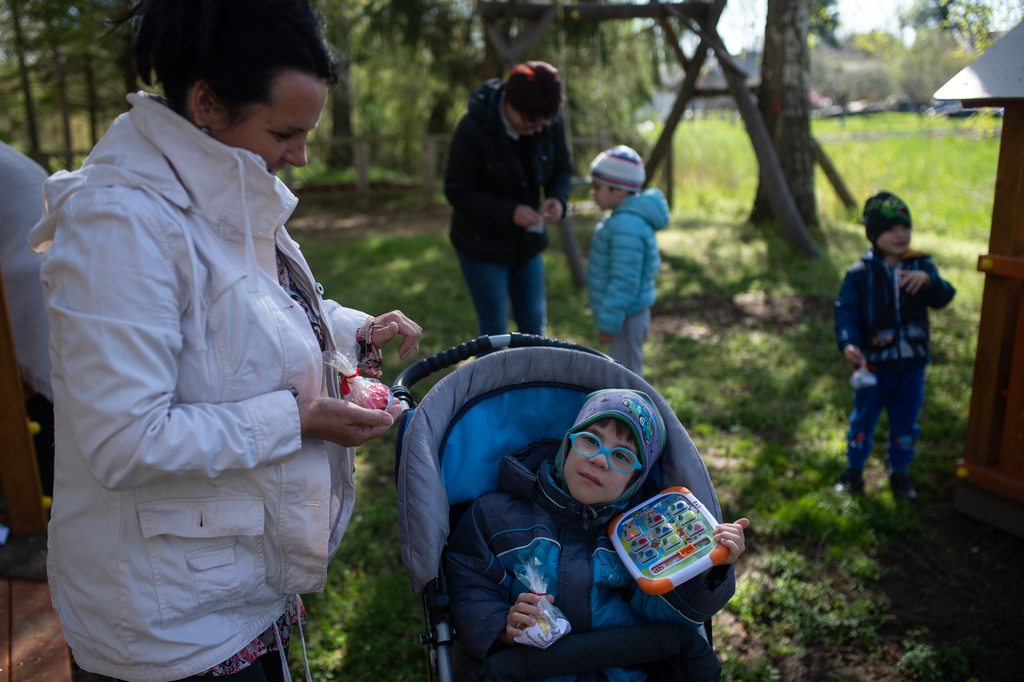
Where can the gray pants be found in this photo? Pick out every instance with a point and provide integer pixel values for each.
(628, 345)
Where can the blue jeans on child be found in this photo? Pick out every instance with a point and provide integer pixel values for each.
(492, 285)
(902, 396)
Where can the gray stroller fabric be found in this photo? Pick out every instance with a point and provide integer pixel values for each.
(422, 500)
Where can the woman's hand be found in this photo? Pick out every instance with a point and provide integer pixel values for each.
(731, 536)
(525, 217)
(343, 422)
(522, 615)
(552, 209)
(395, 323)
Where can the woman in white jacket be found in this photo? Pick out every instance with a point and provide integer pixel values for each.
(204, 469)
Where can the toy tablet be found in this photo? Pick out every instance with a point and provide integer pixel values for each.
(667, 540)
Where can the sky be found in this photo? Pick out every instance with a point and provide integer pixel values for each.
(742, 23)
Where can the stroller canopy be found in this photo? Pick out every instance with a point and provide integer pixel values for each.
(455, 438)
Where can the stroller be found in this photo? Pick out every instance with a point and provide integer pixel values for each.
(531, 391)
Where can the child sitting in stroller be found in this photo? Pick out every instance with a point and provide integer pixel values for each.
(557, 502)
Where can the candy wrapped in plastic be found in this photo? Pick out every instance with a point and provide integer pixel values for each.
(363, 391)
(551, 623)
(862, 377)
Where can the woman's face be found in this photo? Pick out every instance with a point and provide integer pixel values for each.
(522, 124)
(276, 131)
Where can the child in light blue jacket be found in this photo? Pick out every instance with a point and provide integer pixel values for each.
(624, 257)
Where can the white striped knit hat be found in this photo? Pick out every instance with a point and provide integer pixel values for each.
(619, 167)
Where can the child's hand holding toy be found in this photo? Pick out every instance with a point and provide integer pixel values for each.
(731, 536)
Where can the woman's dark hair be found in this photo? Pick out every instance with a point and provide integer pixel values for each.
(534, 89)
(237, 47)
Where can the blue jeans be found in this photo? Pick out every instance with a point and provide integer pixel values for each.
(492, 285)
(902, 396)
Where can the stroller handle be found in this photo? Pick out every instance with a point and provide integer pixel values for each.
(446, 358)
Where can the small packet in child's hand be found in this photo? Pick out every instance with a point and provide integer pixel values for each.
(551, 623)
(862, 377)
(363, 391)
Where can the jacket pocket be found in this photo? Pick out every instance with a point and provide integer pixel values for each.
(206, 554)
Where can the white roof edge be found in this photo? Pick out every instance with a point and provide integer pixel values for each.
(996, 74)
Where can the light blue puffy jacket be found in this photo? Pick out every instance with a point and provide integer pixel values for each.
(624, 259)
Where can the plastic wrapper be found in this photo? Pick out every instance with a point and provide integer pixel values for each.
(551, 623)
(862, 377)
(363, 391)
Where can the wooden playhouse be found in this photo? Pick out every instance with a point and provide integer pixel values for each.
(990, 477)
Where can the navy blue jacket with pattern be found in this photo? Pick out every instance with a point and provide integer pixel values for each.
(593, 589)
(889, 325)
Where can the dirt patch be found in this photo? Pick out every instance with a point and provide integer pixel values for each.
(702, 318)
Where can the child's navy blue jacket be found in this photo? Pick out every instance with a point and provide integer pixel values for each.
(889, 325)
(591, 586)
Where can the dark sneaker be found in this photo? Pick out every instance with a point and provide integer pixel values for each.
(851, 481)
(902, 488)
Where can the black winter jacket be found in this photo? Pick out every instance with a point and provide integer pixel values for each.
(485, 181)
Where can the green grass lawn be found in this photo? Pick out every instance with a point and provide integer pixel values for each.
(743, 349)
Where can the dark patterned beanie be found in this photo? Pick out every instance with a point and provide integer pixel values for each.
(883, 212)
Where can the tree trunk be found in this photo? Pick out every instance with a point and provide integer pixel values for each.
(26, 85)
(340, 155)
(129, 70)
(784, 106)
(92, 99)
(62, 97)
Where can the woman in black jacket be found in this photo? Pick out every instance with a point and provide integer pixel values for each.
(509, 147)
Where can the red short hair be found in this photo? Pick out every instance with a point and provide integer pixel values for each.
(534, 89)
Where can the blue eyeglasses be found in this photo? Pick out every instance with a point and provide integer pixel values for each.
(619, 459)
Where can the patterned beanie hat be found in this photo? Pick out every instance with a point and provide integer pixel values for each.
(883, 212)
(639, 412)
(619, 167)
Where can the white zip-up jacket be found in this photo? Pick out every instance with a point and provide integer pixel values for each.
(186, 505)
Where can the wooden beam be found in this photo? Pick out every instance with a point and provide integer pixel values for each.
(1000, 299)
(511, 53)
(18, 469)
(833, 175)
(672, 39)
(591, 11)
(794, 231)
(686, 89)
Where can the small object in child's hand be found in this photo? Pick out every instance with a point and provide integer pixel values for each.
(363, 391)
(862, 377)
(551, 623)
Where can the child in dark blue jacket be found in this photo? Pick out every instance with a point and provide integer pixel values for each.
(882, 324)
(558, 499)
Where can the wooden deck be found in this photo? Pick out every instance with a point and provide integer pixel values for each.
(32, 647)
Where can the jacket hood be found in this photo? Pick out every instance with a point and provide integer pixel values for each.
(644, 420)
(154, 149)
(483, 102)
(650, 205)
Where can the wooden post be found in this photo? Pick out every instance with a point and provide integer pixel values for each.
(362, 178)
(833, 176)
(1000, 300)
(572, 250)
(18, 469)
(430, 166)
(670, 179)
